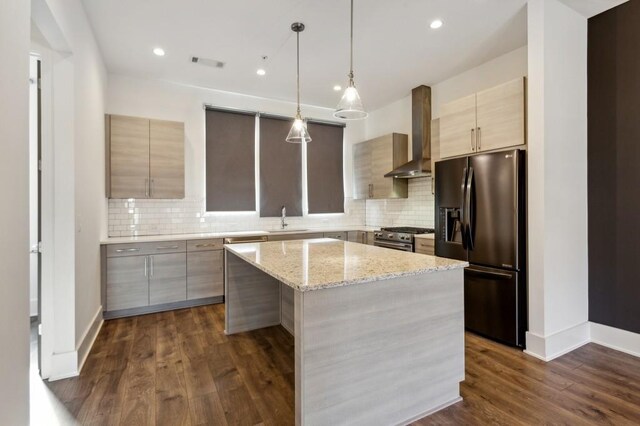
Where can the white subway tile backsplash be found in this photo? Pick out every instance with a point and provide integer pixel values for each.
(162, 217)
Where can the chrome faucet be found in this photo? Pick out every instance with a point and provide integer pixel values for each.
(283, 224)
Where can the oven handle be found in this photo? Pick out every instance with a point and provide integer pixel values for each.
(395, 246)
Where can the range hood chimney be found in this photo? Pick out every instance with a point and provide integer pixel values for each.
(420, 165)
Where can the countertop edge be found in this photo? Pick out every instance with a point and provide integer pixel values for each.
(214, 235)
(460, 265)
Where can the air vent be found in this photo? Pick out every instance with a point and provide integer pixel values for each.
(207, 62)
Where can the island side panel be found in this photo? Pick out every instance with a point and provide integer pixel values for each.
(286, 304)
(387, 352)
(252, 297)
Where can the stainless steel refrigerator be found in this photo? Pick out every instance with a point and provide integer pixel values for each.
(480, 218)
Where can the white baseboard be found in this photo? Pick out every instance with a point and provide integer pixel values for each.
(64, 365)
(33, 307)
(615, 338)
(557, 344)
(88, 338)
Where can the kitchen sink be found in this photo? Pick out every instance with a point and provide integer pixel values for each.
(275, 231)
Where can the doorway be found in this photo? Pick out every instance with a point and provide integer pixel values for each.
(35, 211)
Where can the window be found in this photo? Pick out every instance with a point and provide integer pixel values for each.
(325, 184)
(230, 161)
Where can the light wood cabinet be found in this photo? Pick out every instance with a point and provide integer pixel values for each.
(127, 283)
(501, 116)
(374, 158)
(425, 246)
(458, 127)
(167, 278)
(205, 274)
(145, 158)
(357, 237)
(485, 121)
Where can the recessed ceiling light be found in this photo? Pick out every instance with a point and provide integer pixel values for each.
(158, 51)
(261, 71)
(337, 88)
(436, 24)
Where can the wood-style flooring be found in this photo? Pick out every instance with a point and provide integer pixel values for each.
(178, 368)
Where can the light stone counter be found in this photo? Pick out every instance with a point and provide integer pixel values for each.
(324, 263)
(208, 235)
(379, 342)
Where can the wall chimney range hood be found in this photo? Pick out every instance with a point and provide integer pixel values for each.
(420, 165)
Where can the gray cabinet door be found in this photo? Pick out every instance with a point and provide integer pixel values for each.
(127, 283)
(204, 274)
(357, 237)
(336, 235)
(167, 278)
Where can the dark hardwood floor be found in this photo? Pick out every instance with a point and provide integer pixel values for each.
(178, 368)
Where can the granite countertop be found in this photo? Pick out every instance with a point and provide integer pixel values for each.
(179, 237)
(425, 236)
(324, 263)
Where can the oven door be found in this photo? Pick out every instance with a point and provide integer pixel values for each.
(393, 245)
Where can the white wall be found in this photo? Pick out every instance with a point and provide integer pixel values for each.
(418, 209)
(73, 154)
(14, 212)
(171, 101)
(557, 179)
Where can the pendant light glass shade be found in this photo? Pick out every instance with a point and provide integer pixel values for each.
(298, 132)
(350, 106)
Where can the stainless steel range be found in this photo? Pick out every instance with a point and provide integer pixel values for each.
(399, 238)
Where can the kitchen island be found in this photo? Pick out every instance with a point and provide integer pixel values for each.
(379, 333)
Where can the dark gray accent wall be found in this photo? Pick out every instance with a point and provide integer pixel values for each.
(280, 169)
(230, 161)
(325, 182)
(614, 167)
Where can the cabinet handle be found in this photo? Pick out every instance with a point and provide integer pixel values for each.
(151, 261)
(206, 245)
(151, 182)
(473, 134)
(146, 188)
(370, 190)
(146, 266)
(478, 138)
(127, 250)
(167, 248)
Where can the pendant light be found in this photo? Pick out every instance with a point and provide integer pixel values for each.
(298, 132)
(350, 106)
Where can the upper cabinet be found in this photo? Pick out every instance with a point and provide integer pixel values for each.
(145, 158)
(489, 120)
(374, 158)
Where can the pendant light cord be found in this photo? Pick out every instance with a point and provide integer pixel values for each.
(298, 69)
(351, 57)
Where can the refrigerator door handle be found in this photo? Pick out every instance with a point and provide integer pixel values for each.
(468, 206)
(463, 225)
(482, 273)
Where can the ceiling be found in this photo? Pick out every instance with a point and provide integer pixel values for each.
(395, 49)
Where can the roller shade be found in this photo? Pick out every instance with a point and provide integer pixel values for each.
(230, 161)
(325, 180)
(280, 169)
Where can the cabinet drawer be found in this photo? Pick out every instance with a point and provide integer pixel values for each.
(425, 246)
(289, 237)
(205, 245)
(204, 274)
(135, 249)
(336, 235)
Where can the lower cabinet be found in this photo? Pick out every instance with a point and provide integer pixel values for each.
(167, 278)
(127, 283)
(357, 237)
(425, 246)
(205, 274)
(336, 235)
